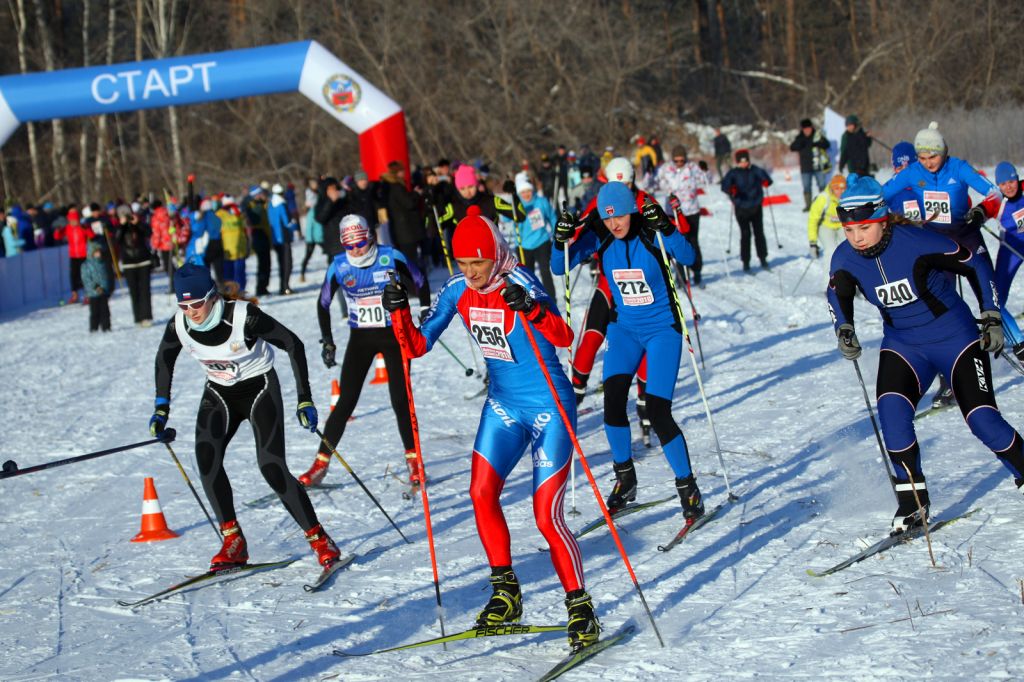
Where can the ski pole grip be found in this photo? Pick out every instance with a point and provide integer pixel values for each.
(167, 436)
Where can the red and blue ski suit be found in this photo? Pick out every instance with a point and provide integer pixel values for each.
(519, 411)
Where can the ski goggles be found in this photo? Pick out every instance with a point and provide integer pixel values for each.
(874, 212)
(357, 245)
(198, 303)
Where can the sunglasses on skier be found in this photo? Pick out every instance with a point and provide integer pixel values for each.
(198, 303)
(858, 214)
(357, 245)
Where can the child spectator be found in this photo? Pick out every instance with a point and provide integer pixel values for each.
(98, 285)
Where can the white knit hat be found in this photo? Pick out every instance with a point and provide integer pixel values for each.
(277, 189)
(523, 184)
(619, 169)
(929, 140)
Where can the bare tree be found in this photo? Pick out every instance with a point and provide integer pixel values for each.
(59, 157)
(18, 14)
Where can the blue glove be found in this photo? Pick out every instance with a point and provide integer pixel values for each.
(161, 412)
(306, 414)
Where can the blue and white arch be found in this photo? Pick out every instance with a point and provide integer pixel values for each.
(306, 67)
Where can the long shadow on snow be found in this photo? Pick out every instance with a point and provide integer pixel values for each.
(772, 475)
(756, 384)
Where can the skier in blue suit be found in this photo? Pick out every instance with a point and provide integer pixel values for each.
(927, 329)
(940, 183)
(1011, 219)
(645, 320)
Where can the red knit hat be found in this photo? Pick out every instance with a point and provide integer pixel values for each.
(473, 237)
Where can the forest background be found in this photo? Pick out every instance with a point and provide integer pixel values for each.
(502, 81)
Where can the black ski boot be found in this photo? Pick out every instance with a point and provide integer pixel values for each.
(690, 497)
(908, 514)
(583, 627)
(506, 604)
(944, 396)
(625, 486)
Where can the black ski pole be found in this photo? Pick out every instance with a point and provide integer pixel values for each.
(469, 371)
(878, 433)
(10, 468)
(366, 490)
(192, 488)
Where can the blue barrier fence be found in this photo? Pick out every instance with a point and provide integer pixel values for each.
(33, 280)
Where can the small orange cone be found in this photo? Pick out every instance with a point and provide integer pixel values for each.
(335, 393)
(154, 525)
(380, 375)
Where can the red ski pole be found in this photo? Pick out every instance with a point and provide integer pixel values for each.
(590, 475)
(403, 345)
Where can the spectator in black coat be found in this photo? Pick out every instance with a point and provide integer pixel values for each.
(405, 214)
(330, 209)
(812, 148)
(361, 199)
(853, 151)
(136, 265)
(723, 148)
(745, 185)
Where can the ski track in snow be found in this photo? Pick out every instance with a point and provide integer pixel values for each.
(732, 601)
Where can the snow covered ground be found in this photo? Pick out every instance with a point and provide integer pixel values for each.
(733, 601)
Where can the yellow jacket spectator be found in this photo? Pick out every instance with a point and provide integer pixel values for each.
(823, 215)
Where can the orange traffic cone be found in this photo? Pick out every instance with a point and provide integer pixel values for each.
(380, 374)
(154, 525)
(335, 393)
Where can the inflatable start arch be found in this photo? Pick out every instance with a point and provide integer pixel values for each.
(306, 67)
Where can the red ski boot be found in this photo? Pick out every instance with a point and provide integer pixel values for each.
(322, 544)
(234, 551)
(317, 472)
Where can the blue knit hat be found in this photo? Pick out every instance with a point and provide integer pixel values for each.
(1005, 172)
(192, 282)
(902, 154)
(615, 199)
(862, 202)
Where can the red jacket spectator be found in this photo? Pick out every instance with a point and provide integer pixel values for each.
(77, 236)
(168, 230)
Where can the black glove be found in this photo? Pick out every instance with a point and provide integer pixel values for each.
(849, 346)
(517, 299)
(327, 353)
(394, 297)
(992, 331)
(565, 228)
(161, 412)
(703, 165)
(815, 250)
(655, 219)
(975, 218)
